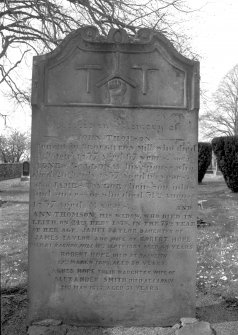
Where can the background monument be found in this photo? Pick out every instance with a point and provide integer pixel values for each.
(113, 181)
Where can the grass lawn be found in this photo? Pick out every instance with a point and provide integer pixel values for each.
(217, 256)
(14, 200)
(217, 266)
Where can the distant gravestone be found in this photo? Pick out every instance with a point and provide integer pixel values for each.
(25, 171)
(26, 168)
(114, 174)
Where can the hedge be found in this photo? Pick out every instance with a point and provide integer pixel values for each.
(10, 170)
(226, 151)
(204, 158)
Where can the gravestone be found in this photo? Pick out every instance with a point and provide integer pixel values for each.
(25, 171)
(113, 181)
(26, 168)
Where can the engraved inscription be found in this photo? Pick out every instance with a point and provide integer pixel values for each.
(112, 174)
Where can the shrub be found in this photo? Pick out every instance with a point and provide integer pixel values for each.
(226, 151)
(204, 158)
(10, 170)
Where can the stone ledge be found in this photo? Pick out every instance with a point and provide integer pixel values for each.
(48, 330)
(25, 178)
(187, 326)
(196, 328)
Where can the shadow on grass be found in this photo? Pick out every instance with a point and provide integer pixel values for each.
(14, 310)
(20, 289)
(217, 313)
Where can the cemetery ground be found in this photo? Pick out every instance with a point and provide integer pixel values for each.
(217, 268)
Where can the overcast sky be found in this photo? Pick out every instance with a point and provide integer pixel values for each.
(214, 33)
(214, 36)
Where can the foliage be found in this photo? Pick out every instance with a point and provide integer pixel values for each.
(10, 171)
(31, 27)
(226, 151)
(204, 158)
(14, 147)
(222, 120)
(13, 232)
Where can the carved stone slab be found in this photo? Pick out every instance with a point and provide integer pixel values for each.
(113, 181)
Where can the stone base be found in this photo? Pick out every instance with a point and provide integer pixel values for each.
(187, 326)
(25, 178)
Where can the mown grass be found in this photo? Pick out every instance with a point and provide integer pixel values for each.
(14, 200)
(217, 266)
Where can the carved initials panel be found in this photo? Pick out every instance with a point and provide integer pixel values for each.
(144, 69)
(150, 76)
(88, 69)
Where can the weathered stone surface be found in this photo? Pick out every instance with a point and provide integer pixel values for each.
(47, 330)
(176, 326)
(197, 328)
(113, 182)
(86, 331)
(185, 321)
(36, 330)
(25, 178)
(73, 330)
(48, 322)
(138, 331)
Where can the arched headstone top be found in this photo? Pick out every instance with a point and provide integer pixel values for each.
(145, 66)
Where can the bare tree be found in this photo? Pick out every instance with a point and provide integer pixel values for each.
(222, 120)
(31, 27)
(14, 147)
